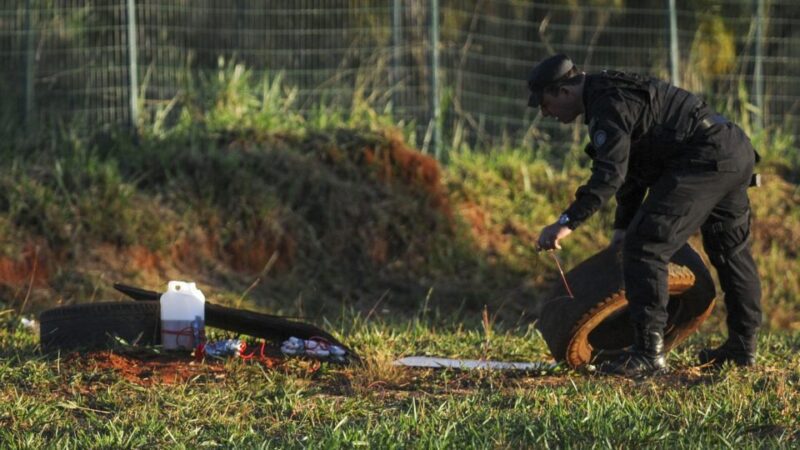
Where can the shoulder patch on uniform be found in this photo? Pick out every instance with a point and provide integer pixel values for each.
(599, 138)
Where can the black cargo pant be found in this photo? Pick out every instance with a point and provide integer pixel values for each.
(707, 189)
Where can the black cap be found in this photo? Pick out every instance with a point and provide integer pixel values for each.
(547, 71)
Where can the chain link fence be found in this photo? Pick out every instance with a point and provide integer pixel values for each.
(456, 68)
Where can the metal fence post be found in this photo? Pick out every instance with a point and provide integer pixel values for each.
(673, 44)
(396, 55)
(758, 75)
(30, 57)
(435, 87)
(132, 65)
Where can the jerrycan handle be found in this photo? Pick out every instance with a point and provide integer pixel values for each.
(181, 286)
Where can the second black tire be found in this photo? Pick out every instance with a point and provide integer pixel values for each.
(95, 325)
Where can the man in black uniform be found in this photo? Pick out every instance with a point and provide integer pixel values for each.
(649, 138)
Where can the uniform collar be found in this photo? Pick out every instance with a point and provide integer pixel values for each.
(587, 90)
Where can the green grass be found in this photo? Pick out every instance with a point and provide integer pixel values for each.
(46, 402)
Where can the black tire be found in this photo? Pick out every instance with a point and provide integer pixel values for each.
(95, 325)
(595, 325)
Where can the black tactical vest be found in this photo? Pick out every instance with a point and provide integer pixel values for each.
(671, 118)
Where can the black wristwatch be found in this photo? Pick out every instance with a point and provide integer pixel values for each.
(564, 220)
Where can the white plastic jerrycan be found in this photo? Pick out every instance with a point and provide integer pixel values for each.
(183, 315)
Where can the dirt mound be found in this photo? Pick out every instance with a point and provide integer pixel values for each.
(324, 209)
(346, 209)
(343, 195)
(399, 202)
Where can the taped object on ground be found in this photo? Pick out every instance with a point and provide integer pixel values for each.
(314, 348)
(595, 325)
(223, 348)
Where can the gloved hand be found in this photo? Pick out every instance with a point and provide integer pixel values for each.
(551, 235)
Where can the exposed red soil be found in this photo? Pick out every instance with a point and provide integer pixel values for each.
(495, 238)
(142, 258)
(30, 267)
(487, 234)
(253, 252)
(399, 162)
(146, 368)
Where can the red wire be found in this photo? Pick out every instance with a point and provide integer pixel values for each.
(253, 354)
(184, 332)
(189, 331)
(563, 277)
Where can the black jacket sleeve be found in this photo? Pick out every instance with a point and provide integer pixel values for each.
(610, 131)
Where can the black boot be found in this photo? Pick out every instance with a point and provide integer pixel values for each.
(738, 349)
(644, 359)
